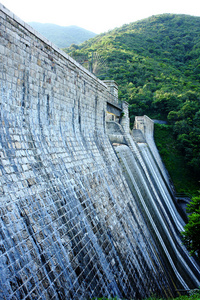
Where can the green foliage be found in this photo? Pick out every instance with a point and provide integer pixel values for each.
(191, 231)
(174, 160)
(156, 63)
(194, 295)
(187, 131)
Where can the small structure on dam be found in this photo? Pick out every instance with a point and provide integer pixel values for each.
(86, 209)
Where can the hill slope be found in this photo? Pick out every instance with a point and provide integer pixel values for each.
(63, 36)
(156, 63)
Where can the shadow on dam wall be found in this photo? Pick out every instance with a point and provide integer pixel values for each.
(84, 208)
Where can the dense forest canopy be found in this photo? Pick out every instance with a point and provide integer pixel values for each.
(156, 63)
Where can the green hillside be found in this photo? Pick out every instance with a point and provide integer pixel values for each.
(63, 36)
(156, 63)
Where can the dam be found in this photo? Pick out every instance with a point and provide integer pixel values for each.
(86, 207)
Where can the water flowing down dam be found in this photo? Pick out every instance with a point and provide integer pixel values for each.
(86, 207)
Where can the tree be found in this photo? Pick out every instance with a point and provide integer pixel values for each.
(165, 101)
(191, 233)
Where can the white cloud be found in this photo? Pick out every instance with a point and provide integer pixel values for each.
(97, 16)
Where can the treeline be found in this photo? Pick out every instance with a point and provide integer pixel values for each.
(156, 63)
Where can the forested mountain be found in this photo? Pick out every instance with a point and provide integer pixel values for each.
(63, 36)
(156, 63)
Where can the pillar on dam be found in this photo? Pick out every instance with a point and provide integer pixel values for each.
(114, 105)
(145, 124)
(125, 120)
(113, 88)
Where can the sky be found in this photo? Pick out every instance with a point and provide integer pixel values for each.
(97, 16)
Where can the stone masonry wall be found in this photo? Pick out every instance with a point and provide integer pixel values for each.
(69, 225)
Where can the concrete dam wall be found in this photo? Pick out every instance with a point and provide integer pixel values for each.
(84, 209)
